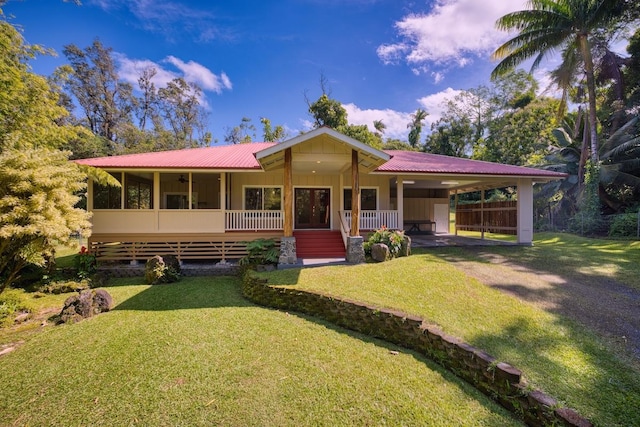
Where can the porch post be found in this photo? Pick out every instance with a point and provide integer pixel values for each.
(355, 248)
(288, 252)
(400, 202)
(288, 194)
(482, 214)
(455, 203)
(525, 211)
(355, 195)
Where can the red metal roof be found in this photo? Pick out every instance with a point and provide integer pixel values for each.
(240, 156)
(425, 163)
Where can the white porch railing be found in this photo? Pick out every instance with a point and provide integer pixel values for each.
(254, 220)
(372, 220)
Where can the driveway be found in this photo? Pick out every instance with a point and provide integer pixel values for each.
(607, 307)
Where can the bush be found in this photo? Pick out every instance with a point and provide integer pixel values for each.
(85, 263)
(11, 303)
(261, 252)
(162, 269)
(63, 287)
(394, 240)
(625, 225)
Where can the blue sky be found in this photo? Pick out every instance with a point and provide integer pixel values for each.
(382, 59)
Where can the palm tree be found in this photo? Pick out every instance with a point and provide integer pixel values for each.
(557, 24)
(416, 126)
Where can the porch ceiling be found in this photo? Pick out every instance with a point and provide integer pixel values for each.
(460, 183)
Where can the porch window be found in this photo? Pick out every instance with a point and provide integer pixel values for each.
(138, 190)
(262, 198)
(105, 197)
(205, 190)
(368, 199)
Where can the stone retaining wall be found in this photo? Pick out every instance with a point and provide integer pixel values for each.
(497, 380)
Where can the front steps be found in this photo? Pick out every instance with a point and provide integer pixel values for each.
(319, 244)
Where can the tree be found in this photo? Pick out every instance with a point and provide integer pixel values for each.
(107, 103)
(241, 134)
(415, 126)
(38, 190)
(30, 114)
(37, 182)
(450, 136)
(557, 24)
(521, 137)
(270, 134)
(380, 127)
(180, 107)
(328, 112)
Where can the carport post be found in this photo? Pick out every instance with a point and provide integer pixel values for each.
(525, 212)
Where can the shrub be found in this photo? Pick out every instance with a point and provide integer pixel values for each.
(261, 252)
(63, 287)
(162, 269)
(625, 225)
(392, 238)
(11, 303)
(85, 263)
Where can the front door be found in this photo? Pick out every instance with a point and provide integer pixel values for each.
(312, 208)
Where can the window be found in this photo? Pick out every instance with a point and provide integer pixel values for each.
(263, 198)
(105, 197)
(139, 190)
(205, 190)
(368, 199)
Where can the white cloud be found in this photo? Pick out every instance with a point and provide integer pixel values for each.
(395, 121)
(451, 34)
(130, 69)
(201, 75)
(434, 104)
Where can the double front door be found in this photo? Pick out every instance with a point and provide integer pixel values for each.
(312, 208)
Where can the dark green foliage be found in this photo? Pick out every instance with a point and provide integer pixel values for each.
(261, 252)
(625, 225)
(588, 219)
(162, 269)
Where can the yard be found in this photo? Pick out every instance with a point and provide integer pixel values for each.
(589, 370)
(197, 353)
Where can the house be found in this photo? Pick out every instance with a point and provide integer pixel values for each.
(204, 203)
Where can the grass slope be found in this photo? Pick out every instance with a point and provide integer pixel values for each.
(197, 353)
(556, 355)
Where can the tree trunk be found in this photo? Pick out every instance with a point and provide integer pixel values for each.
(591, 87)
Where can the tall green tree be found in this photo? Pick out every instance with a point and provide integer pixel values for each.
(37, 182)
(244, 133)
(179, 104)
(106, 102)
(328, 112)
(270, 133)
(415, 126)
(550, 25)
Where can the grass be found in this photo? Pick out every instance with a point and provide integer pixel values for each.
(556, 355)
(197, 353)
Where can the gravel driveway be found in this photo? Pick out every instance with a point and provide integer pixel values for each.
(605, 306)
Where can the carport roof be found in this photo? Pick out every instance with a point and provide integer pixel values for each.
(411, 162)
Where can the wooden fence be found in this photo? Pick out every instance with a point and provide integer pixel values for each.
(493, 217)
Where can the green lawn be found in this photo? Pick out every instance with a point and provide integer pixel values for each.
(197, 353)
(556, 355)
